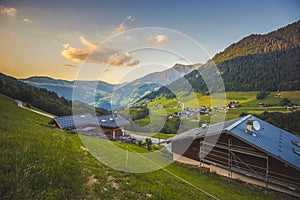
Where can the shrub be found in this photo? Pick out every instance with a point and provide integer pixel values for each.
(261, 95)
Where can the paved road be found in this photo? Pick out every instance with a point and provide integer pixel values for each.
(142, 137)
(154, 140)
(38, 112)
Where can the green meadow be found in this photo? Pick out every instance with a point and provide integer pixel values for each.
(247, 100)
(40, 162)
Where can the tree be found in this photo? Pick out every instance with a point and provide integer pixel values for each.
(284, 102)
(140, 143)
(148, 143)
(261, 95)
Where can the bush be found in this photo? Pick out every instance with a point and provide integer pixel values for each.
(243, 114)
(284, 102)
(261, 95)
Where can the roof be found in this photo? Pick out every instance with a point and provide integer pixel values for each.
(73, 121)
(110, 121)
(70, 121)
(268, 138)
(209, 130)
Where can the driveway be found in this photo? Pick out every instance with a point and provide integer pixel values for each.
(38, 112)
(154, 140)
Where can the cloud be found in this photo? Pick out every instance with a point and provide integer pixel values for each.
(128, 38)
(133, 63)
(130, 18)
(69, 65)
(27, 20)
(65, 46)
(121, 28)
(9, 11)
(88, 43)
(158, 40)
(97, 53)
(75, 54)
(124, 59)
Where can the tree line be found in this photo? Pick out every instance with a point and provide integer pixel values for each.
(286, 121)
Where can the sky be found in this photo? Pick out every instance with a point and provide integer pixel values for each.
(119, 41)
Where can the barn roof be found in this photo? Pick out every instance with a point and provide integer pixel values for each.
(268, 138)
(71, 121)
(110, 121)
(210, 130)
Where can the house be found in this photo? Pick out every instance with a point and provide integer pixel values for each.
(246, 148)
(110, 125)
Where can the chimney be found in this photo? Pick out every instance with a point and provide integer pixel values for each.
(249, 125)
(115, 114)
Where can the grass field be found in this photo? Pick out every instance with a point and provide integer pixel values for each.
(40, 162)
(154, 135)
(249, 103)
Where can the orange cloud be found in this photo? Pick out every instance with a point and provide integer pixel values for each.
(69, 65)
(88, 43)
(121, 28)
(27, 20)
(97, 53)
(8, 11)
(75, 54)
(124, 59)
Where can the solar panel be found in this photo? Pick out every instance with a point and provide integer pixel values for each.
(71, 121)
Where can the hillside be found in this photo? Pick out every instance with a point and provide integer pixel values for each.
(40, 162)
(137, 89)
(279, 70)
(280, 40)
(40, 97)
(245, 66)
(65, 88)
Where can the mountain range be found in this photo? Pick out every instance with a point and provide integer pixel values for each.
(268, 62)
(123, 94)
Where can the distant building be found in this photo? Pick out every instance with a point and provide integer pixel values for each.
(110, 126)
(246, 148)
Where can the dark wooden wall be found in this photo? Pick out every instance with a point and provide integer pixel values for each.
(243, 157)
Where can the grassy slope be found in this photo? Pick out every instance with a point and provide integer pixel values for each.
(40, 162)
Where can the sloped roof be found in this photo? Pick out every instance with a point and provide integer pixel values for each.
(71, 121)
(200, 132)
(270, 139)
(110, 121)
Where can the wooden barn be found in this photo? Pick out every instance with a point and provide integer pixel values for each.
(246, 148)
(109, 125)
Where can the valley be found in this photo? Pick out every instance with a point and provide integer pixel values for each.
(39, 161)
